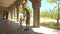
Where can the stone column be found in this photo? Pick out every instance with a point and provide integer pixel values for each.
(3, 14)
(36, 12)
(17, 13)
(7, 15)
(11, 13)
(14, 13)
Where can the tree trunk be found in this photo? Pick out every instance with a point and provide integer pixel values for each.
(57, 21)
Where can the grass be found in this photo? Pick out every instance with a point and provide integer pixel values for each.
(51, 25)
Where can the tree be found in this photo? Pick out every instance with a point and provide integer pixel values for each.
(21, 10)
(51, 1)
(55, 1)
(49, 13)
(27, 7)
(52, 14)
(44, 13)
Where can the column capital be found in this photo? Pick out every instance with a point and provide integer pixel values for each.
(36, 2)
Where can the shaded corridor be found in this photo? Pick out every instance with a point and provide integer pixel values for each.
(11, 27)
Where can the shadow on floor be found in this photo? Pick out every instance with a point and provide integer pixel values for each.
(10, 27)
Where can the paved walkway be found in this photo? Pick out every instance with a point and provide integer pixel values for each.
(12, 27)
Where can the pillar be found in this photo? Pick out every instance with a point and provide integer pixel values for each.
(7, 15)
(11, 14)
(36, 12)
(17, 13)
(3, 14)
(14, 13)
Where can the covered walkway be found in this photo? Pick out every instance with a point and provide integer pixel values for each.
(9, 9)
(13, 27)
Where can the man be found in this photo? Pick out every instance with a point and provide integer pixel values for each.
(27, 20)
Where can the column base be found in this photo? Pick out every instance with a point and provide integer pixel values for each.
(36, 26)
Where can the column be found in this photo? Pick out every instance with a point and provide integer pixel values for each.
(11, 14)
(36, 12)
(17, 13)
(14, 13)
(7, 15)
(3, 14)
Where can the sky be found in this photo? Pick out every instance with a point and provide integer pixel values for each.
(44, 5)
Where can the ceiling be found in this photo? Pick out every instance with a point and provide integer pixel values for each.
(6, 3)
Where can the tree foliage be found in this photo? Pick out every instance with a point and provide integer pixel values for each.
(53, 14)
(21, 10)
(50, 13)
(51, 1)
(27, 7)
(58, 12)
(44, 13)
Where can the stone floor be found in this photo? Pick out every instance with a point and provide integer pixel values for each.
(12, 27)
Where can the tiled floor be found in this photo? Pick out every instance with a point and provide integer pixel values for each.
(12, 27)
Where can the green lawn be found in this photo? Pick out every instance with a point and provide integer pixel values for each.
(51, 25)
